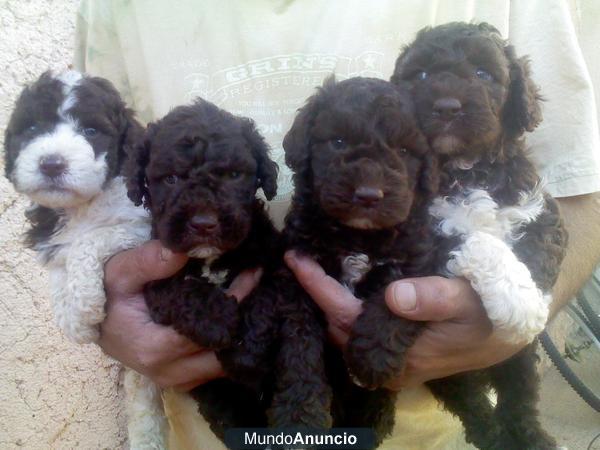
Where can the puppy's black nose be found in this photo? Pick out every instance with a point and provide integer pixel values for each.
(204, 223)
(447, 108)
(53, 165)
(367, 196)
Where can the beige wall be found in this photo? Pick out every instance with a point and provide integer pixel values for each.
(53, 394)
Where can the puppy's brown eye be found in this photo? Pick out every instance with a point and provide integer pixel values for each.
(171, 179)
(32, 128)
(338, 143)
(484, 75)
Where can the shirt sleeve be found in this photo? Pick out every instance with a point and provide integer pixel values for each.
(566, 145)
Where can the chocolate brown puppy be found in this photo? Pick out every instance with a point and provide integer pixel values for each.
(197, 172)
(363, 176)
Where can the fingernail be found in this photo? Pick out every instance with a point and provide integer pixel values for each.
(405, 296)
(290, 258)
(165, 254)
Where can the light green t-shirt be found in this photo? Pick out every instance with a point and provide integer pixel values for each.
(263, 58)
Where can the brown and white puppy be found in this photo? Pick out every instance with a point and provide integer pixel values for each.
(64, 147)
(474, 100)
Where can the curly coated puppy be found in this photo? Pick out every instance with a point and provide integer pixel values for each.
(474, 100)
(197, 172)
(65, 144)
(364, 176)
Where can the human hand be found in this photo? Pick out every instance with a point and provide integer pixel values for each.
(458, 336)
(129, 335)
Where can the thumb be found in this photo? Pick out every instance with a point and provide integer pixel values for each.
(127, 272)
(336, 301)
(432, 298)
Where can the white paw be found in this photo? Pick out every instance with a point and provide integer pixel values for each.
(466, 214)
(516, 307)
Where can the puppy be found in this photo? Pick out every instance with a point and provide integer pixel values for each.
(474, 100)
(64, 147)
(363, 176)
(197, 174)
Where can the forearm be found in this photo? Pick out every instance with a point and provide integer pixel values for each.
(582, 218)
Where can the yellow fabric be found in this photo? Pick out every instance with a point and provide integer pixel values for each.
(263, 58)
(420, 424)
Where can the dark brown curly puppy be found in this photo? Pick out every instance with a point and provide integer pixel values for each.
(474, 100)
(363, 176)
(197, 173)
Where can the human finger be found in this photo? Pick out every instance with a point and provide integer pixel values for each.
(336, 301)
(127, 272)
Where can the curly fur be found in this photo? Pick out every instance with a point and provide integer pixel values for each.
(81, 215)
(492, 205)
(197, 172)
(363, 175)
(514, 304)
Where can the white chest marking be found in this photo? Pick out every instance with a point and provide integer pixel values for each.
(477, 211)
(110, 209)
(354, 267)
(217, 277)
(514, 304)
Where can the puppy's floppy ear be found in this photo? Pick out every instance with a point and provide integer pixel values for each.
(134, 170)
(131, 133)
(296, 142)
(267, 168)
(522, 110)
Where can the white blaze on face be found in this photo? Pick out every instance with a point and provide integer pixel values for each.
(84, 174)
(70, 79)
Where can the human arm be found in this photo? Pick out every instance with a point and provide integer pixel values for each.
(581, 215)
